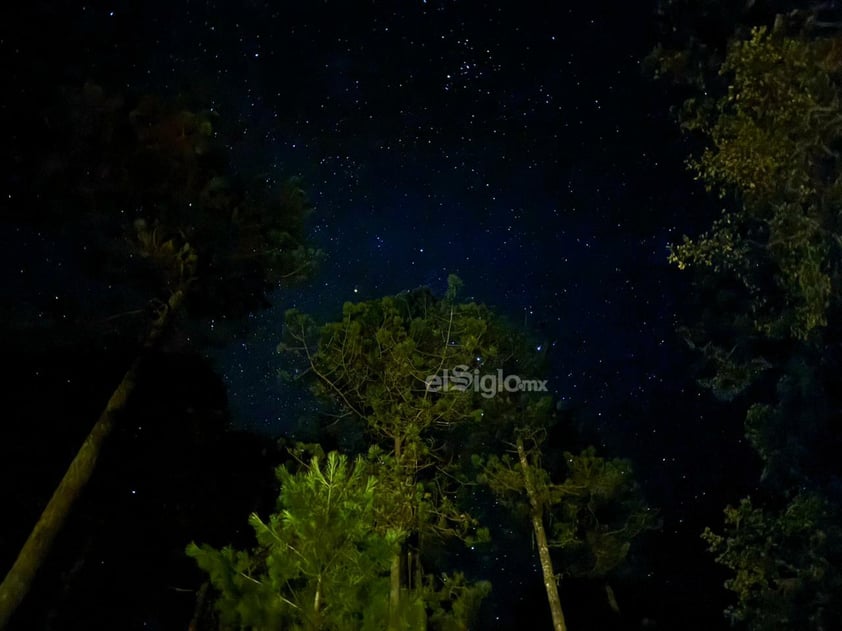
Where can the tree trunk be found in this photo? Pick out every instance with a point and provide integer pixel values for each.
(395, 568)
(34, 551)
(537, 513)
(200, 610)
(395, 593)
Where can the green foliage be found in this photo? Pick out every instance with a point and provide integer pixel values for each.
(455, 603)
(783, 564)
(773, 149)
(320, 562)
(791, 435)
(773, 139)
(377, 365)
(454, 285)
(383, 368)
(599, 512)
(773, 135)
(443, 603)
(771, 127)
(411, 615)
(731, 374)
(595, 512)
(174, 258)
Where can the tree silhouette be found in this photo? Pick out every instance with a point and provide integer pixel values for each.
(770, 267)
(146, 186)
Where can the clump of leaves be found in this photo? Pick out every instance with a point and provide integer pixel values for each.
(595, 511)
(319, 562)
(774, 154)
(783, 563)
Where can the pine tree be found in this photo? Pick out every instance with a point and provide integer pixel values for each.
(383, 366)
(192, 238)
(320, 562)
(595, 512)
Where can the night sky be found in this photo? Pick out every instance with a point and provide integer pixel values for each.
(522, 151)
(517, 146)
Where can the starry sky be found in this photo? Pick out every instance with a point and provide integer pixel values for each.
(519, 147)
(520, 150)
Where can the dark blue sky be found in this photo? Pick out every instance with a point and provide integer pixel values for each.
(521, 150)
(518, 147)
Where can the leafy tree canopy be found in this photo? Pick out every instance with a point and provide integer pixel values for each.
(773, 150)
(403, 369)
(392, 364)
(323, 562)
(595, 511)
(783, 563)
(772, 128)
(146, 186)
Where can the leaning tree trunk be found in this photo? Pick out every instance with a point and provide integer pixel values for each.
(536, 512)
(37, 546)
